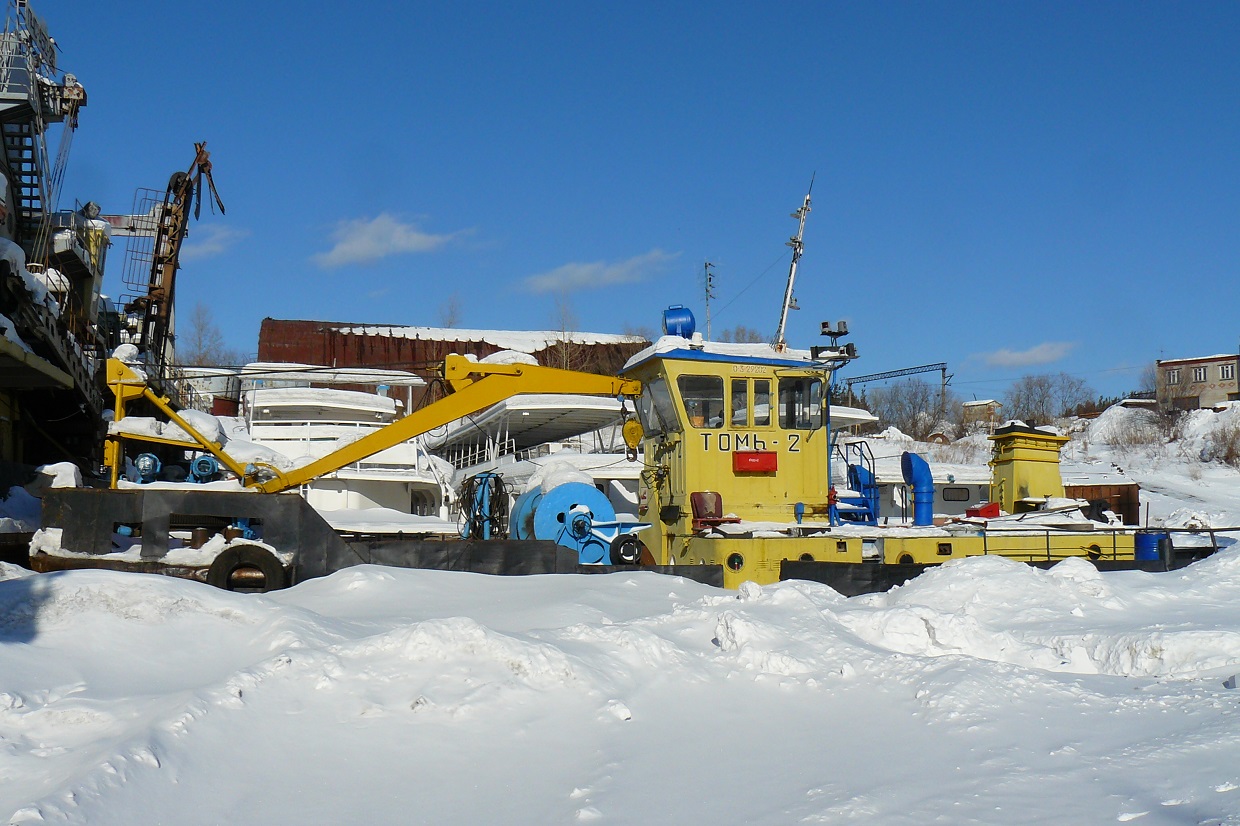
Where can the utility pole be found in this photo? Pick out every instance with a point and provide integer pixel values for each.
(710, 293)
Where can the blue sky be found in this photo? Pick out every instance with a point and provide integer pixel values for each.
(1012, 188)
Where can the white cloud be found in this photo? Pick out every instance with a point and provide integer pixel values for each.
(594, 274)
(1044, 353)
(365, 240)
(210, 240)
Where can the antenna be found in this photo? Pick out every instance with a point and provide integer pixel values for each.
(797, 248)
(710, 293)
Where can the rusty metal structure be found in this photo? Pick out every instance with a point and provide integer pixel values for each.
(51, 266)
(153, 257)
(422, 349)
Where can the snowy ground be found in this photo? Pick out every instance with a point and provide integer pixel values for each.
(982, 692)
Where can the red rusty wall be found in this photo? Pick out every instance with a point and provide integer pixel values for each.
(321, 342)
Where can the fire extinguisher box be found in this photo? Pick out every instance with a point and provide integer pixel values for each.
(755, 461)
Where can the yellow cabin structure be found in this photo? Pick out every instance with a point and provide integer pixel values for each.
(736, 450)
(1025, 468)
(736, 445)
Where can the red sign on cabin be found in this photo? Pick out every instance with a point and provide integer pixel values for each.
(754, 461)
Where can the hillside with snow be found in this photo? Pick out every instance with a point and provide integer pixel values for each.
(984, 691)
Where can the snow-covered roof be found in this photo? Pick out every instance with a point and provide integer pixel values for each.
(531, 419)
(842, 416)
(1218, 357)
(530, 341)
(887, 471)
(319, 400)
(292, 371)
(680, 347)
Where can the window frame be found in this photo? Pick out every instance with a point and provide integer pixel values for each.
(761, 388)
(713, 404)
(656, 409)
(955, 497)
(798, 393)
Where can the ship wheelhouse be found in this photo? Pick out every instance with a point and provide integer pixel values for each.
(735, 436)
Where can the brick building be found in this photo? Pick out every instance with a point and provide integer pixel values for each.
(1197, 382)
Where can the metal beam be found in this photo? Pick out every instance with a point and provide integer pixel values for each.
(895, 374)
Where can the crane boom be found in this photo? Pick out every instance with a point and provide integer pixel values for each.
(474, 386)
(170, 232)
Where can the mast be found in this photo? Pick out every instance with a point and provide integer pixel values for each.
(797, 248)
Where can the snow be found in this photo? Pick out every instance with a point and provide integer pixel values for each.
(508, 357)
(531, 341)
(555, 473)
(387, 521)
(669, 344)
(208, 427)
(984, 691)
(264, 371)
(9, 331)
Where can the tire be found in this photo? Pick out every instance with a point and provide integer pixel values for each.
(626, 549)
(231, 559)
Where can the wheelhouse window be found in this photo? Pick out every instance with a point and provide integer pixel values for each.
(800, 404)
(656, 409)
(703, 400)
(740, 402)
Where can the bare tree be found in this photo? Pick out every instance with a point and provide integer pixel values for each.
(565, 353)
(741, 334)
(1172, 394)
(1148, 379)
(912, 406)
(641, 331)
(450, 311)
(202, 343)
(1044, 398)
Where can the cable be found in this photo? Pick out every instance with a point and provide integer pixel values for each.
(474, 522)
(781, 257)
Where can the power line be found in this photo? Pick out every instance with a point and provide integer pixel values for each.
(781, 257)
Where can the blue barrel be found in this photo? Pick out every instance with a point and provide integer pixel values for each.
(1147, 544)
(678, 321)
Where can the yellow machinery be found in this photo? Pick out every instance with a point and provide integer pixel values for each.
(473, 385)
(736, 438)
(736, 445)
(736, 453)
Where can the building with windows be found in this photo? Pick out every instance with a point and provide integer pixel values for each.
(1197, 382)
(982, 416)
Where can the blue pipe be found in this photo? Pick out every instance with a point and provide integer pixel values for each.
(917, 474)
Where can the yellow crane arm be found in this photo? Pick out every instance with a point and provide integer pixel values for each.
(127, 386)
(475, 386)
